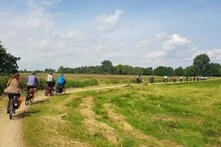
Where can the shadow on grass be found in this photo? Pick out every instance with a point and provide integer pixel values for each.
(40, 101)
(25, 114)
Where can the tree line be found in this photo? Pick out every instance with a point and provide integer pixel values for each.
(202, 66)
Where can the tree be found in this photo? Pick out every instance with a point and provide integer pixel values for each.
(8, 63)
(61, 69)
(148, 71)
(179, 71)
(119, 69)
(190, 71)
(107, 67)
(214, 69)
(49, 70)
(201, 63)
(163, 71)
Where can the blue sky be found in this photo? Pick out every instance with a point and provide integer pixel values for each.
(50, 33)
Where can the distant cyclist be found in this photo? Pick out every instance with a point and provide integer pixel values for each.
(60, 83)
(50, 80)
(13, 89)
(32, 82)
(139, 79)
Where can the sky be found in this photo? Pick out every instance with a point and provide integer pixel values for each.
(73, 33)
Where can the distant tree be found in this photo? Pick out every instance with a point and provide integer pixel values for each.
(38, 71)
(179, 71)
(214, 69)
(8, 63)
(61, 69)
(119, 69)
(163, 71)
(148, 71)
(139, 70)
(128, 70)
(201, 63)
(49, 70)
(107, 67)
(169, 71)
(190, 71)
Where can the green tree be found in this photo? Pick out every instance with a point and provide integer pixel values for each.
(61, 69)
(148, 71)
(49, 70)
(107, 67)
(201, 63)
(190, 71)
(179, 71)
(8, 63)
(163, 71)
(215, 69)
(119, 69)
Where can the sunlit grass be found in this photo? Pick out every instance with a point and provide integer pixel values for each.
(185, 114)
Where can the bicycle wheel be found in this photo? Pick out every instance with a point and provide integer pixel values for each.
(10, 108)
(27, 100)
(46, 93)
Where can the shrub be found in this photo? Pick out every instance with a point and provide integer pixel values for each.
(78, 83)
(3, 82)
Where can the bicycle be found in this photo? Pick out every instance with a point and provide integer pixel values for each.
(13, 105)
(30, 96)
(49, 91)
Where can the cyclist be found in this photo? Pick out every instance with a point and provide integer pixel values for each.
(139, 79)
(32, 82)
(13, 89)
(61, 82)
(50, 82)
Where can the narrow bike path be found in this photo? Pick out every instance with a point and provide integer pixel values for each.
(11, 130)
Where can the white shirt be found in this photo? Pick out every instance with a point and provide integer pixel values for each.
(49, 78)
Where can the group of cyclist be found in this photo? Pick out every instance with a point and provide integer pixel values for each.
(14, 87)
(51, 83)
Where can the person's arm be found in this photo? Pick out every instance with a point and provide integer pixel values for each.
(9, 81)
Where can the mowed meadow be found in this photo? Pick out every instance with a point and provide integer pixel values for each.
(166, 114)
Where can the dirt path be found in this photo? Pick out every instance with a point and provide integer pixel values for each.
(11, 130)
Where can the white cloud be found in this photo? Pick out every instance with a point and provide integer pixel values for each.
(175, 41)
(174, 48)
(215, 54)
(108, 22)
(156, 55)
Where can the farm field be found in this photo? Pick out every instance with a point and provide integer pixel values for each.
(182, 114)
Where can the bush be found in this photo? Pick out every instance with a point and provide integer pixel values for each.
(3, 82)
(78, 83)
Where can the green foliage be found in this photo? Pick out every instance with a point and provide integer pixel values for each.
(78, 83)
(179, 71)
(214, 69)
(3, 82)
(8, 63)
(148, 71)
(107, 67)
(162, 71)
(190, 71)
(201, 64)
(49, 70)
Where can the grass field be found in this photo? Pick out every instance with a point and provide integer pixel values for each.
(186, 114)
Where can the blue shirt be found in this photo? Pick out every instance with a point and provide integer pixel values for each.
(60, 79)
